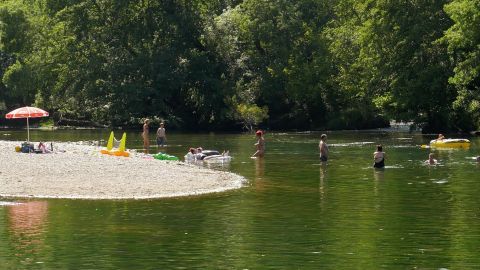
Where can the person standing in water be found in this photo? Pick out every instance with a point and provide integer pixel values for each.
(323, 147)
(146, 142)
(161, 137)
(260, 145)
(379, 157)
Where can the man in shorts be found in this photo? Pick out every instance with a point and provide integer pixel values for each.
(323, 147)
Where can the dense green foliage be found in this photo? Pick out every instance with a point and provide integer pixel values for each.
(463, 40)
(225, 63)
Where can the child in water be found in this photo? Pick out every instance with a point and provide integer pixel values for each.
(379, 158)
(440, 138)
(161, 137)
(431, 160)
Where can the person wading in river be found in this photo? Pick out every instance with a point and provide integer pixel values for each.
(379, 158)
(161, 137)
(323, 147)
(260, 145)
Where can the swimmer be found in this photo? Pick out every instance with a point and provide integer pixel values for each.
(431, 160)
(440, 137)
(379, 157)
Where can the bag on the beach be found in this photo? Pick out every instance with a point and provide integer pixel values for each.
(27, 148)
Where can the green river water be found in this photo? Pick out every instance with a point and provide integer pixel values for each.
(293, 212)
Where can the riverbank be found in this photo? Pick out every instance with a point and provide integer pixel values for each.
(79, 171)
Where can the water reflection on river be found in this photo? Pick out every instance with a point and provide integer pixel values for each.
(294, 213)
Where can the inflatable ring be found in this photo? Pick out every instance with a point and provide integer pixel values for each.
(450, 143)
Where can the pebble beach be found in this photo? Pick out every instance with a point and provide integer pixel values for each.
(79, 171)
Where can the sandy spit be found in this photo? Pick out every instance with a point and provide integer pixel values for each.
(79, 171)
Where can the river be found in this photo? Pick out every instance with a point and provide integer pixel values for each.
(294, 213)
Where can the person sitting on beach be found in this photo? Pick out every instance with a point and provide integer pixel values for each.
(195, 154)
(43, 148)
(379, 157)
(191, 155)
(200, 155)
(431, 160)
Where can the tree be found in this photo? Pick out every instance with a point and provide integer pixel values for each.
(397, 62)
(15, 41)
(463, 39)
(251, 115)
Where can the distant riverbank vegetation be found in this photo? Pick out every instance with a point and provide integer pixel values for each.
(228, 64)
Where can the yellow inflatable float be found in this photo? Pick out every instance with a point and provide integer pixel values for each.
(450, 143)
(120, 152)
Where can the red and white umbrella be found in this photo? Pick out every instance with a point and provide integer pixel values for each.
(27, 112)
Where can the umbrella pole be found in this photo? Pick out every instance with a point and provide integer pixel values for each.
(28, 132)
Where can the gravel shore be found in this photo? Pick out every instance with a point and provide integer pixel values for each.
(79, 171)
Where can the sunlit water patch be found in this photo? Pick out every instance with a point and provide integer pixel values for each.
(4, 203)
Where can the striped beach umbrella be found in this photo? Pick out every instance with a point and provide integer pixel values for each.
(26, 112)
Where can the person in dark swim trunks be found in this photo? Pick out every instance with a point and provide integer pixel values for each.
(323, 147)
(379, 157)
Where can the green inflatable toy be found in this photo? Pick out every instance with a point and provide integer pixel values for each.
(163, 156)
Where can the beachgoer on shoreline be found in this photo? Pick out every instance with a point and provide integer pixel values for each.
(146, 142)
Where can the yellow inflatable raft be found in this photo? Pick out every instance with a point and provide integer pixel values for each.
(450, 143)
(120, 152)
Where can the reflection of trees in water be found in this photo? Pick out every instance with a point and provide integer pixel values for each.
(27, 222)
